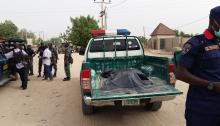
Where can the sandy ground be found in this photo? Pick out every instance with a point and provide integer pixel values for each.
(58, 103)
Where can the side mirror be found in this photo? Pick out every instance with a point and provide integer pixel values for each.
(82, 51)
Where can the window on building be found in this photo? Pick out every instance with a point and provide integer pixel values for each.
(162, 43)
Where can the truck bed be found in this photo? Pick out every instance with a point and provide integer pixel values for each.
(158, 87)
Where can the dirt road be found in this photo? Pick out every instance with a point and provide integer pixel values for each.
(58, 103)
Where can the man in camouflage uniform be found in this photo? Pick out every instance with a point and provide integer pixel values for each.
(40, 63)
(67, 61)
(54, 58)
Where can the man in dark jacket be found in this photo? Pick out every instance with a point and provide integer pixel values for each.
(31, 54)
(200, 67)
(20, 59)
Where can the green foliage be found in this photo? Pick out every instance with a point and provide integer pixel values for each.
(64, 36)
(38, 41)
(142, 40)
(8, 30)
(56, 40)
(79, 33)
(24, 34)
(182, 34)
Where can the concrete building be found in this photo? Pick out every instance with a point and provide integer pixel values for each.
(165, 39)
(162, 38)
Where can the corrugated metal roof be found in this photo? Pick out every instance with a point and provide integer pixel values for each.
(162, 29)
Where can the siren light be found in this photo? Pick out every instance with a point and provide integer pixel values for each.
(96, 33)
(123, 32)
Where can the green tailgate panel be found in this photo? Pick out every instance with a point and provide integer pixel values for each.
(156, 68)
(160, 89)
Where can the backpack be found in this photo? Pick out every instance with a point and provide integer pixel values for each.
(18, 56)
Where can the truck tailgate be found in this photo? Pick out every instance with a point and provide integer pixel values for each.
(159, 88)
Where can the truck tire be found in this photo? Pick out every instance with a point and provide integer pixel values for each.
(87, 109)
(154, 106)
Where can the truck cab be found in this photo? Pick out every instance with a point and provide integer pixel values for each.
(116, 72)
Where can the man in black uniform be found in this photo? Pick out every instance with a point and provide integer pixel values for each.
(199, 66)
(20, 58)
(40, 63)
(31, 54)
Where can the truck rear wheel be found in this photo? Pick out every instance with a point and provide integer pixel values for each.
(155, 106)
(87, 109)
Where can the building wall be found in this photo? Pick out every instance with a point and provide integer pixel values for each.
(156, 41)
(170, 42)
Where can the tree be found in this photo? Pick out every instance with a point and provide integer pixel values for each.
(24, 34)
(182, 34)
(79, 33)
(38, 41)
(56, 40)
(176, 31)
(8, 30)
(64, 36)
(143, 40)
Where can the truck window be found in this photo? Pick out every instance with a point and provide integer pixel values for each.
(120, 44)
(97, 46)
(109, 45)
(133, 44)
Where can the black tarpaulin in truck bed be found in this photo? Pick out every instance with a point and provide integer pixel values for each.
(127, 81)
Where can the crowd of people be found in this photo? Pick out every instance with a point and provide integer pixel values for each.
(21, 62)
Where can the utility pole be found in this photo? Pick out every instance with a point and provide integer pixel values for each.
(144, 30)
(103, 12)
(106, 14)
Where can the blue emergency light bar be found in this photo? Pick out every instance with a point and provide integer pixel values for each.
(123, 32)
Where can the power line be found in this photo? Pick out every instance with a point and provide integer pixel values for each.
(119, 4)
(195, 21)
(103, 13)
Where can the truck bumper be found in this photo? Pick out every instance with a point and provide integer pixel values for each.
(99, 103)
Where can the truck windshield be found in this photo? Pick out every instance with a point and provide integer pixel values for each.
(110, 44)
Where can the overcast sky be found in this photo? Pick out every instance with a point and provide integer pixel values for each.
(52, 16)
